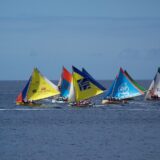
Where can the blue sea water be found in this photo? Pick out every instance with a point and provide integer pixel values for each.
(114, 132)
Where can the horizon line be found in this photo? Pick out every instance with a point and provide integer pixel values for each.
(81, 17)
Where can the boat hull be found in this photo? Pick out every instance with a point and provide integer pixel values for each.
(28, 104)
(81, 104)
(106, 101)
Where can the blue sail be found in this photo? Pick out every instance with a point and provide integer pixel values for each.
(22, 97)
(123, 88)
(65, 88)
(109, 92)
(24, 92)
(84, 71)
(93, 80)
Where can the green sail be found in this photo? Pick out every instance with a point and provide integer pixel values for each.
(134, 82)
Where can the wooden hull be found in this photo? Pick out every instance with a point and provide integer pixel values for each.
(82, 104)
(154, 99)
(106, 101)
(28, 104)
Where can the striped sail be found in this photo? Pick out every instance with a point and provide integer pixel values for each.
(66, 80)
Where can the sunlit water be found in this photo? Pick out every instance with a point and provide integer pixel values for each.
(58, 132)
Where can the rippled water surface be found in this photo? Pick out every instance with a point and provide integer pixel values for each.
(58, 132)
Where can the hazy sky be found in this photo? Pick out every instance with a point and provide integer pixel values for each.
(99, 35)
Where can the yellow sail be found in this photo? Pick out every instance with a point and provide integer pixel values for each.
(40, 87)
(84, 88)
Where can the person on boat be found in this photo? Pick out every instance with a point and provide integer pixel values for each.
(82, 103)
(151, 92)
(114, 100)
(65, 99)
(59, 88)
(154, 97)
(22, 101)
(30, 102)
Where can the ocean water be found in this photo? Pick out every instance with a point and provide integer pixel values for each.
(58, 132)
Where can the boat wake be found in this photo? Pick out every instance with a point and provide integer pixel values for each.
(66, 108)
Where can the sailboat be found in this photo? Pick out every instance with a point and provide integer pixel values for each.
(153, 92)
(37, 88)
(83, 88)
(122, 88)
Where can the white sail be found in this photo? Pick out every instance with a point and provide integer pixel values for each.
(71, 96)
(59, 83)
(150, 91)
(154, 89)
(51, 83)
